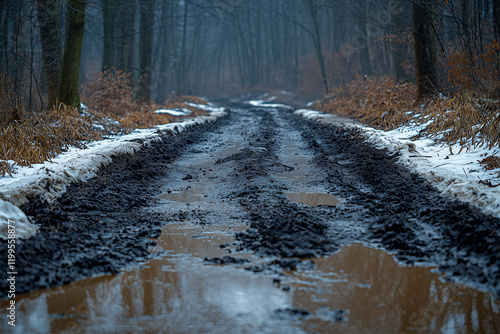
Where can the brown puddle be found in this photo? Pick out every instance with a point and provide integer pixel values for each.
(198, 240)
(357, 290)
(313, 199)
(189, 195)
(364, 290)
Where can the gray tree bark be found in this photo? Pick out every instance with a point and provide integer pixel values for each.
(109, 8)
(496, 15)
(75, 25)
(425, 50)
(313, 13)
(362, 41)
(147, 15)
(48, 19)
(401, 15)
(126, 39)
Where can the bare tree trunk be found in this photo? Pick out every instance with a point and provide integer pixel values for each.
(48, 18)
(313, 13)
(362, 41)
(496, 15)
(147, 15)
(126, 40)
(108, 18)
(75, 26)
(466, 29)
(3, 31)
(425, 49)
(401, 15)
(181, 61)
(164, 39)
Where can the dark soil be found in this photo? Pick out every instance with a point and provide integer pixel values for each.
(101, 225)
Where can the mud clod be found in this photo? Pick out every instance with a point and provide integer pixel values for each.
(290, 313)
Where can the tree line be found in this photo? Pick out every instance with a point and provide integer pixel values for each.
(222, 47)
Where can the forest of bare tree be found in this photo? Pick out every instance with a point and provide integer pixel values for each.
(223, 47)
(370, 60)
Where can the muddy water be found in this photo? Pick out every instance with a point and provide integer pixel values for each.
(197, 194)
(357, 290)
(313, 199)
(362, 289)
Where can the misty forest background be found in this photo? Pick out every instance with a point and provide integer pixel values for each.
(367, 59)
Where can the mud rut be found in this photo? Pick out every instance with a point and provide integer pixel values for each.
(240, 169)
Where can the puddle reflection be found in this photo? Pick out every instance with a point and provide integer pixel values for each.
(357, 290)
(176, 294)
(375, 294)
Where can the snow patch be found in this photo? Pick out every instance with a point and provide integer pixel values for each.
(263, 104)
(206, 107)
(11, 217)
(176, 112)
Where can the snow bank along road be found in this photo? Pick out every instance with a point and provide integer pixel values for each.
(303, 189)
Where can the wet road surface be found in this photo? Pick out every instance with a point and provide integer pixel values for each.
(262, 222)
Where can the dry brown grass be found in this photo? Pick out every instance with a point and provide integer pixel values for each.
(110, 95)
(468, 119)
(28, 138)
(37, 137)
(491, 162)
(145, 117)
(377, 102)
(110, 92)
(40, 137)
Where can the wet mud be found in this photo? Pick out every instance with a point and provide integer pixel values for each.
(404, 213)
(97, 226)
(290, 194)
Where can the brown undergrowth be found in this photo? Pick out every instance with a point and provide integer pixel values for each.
(35, 137)
(468, 119)
(377, 102)
(470, 116)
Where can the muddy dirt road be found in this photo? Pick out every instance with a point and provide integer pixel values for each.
(235, 227)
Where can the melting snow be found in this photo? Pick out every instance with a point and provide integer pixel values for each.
(176, 112)
(205, 107)
(13, 216)
(263, 104)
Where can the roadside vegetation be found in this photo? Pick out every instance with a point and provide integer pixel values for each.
(468, 113)
(109, 108)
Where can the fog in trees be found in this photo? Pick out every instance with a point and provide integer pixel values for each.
(226, 47)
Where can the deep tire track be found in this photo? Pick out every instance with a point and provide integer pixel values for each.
(404, 212)
(277, 226)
